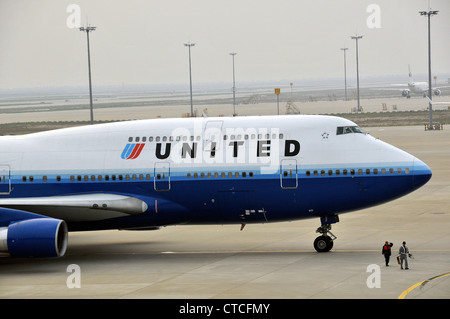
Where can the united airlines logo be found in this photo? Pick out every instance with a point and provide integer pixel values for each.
(132, 150)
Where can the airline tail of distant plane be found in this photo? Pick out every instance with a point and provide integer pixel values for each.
(410, 74)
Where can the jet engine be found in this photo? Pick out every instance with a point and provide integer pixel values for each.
(39, 237)
(437, 92)
(405, 93)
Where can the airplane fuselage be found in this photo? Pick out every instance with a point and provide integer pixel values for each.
(203, 170)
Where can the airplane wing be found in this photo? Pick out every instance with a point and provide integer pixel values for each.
(72, 208)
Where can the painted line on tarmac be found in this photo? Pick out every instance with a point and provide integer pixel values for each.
(422, 283)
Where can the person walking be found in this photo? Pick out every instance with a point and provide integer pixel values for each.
(386, 251)
(404, 253)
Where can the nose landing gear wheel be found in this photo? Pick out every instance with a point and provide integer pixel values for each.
(323, 244)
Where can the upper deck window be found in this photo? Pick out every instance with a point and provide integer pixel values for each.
(348, 130)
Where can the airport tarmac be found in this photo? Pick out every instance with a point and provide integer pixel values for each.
(273, 261)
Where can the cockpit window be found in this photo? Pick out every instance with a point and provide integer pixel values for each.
(348, 130)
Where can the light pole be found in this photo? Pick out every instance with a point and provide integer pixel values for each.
(430, 95)
(234, 86)
(189, 45)
(87, 30)
(345, 72)
(357, 37)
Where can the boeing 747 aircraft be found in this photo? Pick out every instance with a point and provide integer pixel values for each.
(146, 174)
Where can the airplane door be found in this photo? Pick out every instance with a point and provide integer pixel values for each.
(5, 180)
(162, 176)
(288, 174)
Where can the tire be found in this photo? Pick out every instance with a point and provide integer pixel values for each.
(323, 244)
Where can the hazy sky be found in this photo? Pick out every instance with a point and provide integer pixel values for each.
(141, 41)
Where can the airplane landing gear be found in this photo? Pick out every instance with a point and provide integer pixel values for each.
(324, 242)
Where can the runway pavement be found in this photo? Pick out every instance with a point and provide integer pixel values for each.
(271, 261)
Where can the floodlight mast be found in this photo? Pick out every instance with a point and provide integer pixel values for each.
(430, 95)
(345, 72)
(234, 86)
(87, 30)
(189, 45)
(357, 37)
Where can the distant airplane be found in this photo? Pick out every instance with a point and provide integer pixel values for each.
(141, 175)
(418, 87)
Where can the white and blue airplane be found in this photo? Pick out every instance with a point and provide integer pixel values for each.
(146, 174)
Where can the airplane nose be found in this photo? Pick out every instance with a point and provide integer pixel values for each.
(422, 173)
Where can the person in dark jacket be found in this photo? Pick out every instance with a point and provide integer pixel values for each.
(386, 251)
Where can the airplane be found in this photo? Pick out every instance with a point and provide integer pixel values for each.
(418, 88)
(148, 174)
